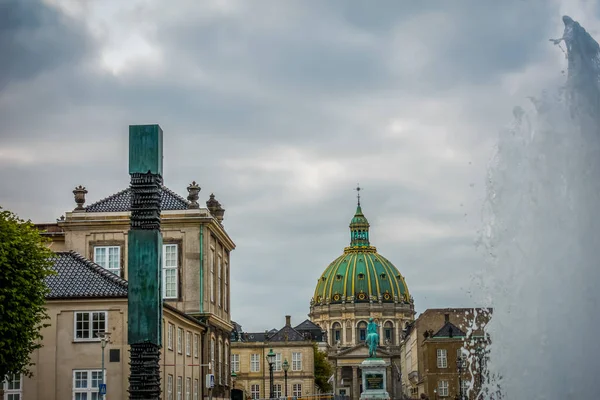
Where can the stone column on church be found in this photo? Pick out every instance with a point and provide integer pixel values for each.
(338, 377)
(343, 332)
(355, 383)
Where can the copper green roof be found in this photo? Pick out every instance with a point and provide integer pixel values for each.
(360, 274)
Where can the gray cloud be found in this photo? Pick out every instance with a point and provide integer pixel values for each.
(280, 108)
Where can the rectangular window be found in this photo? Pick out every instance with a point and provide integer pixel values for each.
(460, 355)
(108, 257)
(235, 362)
(196, 345)
(86, 383)
(212, 355)
(89, 324)
(465, 387)
(226, 286)
(296, 361)
(226, 358)
(179, 388)
(170, 337)
(362, 333)
(254, 362)
(277, 390)
(188, 388)
(220, 368)
(442, 358)
(169, 271)
(179, 340)
(211, 278)
(188, 344)
(277, 366)
(297, 390)
(170, 387)
(12, 387)
(220, 280)
(196, 390)
(255, 391)
(443, 388)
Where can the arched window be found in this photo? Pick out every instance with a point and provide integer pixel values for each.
(336, 333)
(388, 332)
(361, 331)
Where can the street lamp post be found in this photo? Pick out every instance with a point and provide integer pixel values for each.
(459, 366)
(435, 392)
(104, 340)
(233, 376)
(271, 360)
(286, 367)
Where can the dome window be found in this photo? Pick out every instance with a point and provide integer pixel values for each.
(323, 279)
(382, 276)
(338, 277)
(361, 276)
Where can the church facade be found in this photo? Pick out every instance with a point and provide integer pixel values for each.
(358, 285)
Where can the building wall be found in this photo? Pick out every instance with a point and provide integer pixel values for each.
(435, 374)
(349, 315)
(245, 378)
(62, 354)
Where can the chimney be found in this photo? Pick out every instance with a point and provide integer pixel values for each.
(446, 318)
(288, 320)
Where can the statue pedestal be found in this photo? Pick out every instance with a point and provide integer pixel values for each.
(374, 379)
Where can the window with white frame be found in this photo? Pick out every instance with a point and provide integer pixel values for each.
(277, 365)
(188, 343)
(225, 286)
(89, 324)
(297, 390)
(212, 275)
(179, 340)
(255, 391)
(442, 358)
(179, 388)
(296, 361)
(170, 336)
(188, 388)
(86, 383)
(254, 362)
(277, 390)
(235, 362)
(465, 386)
(219, 281)
(170, 387)
(443, 388)
(108, 257)
(212, 354)
(13, 389)
(460, 355)
(196, 345)
(196, 383)
(169, 271)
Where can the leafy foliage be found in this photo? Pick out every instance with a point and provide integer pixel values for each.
(24, 263)
(323, 371)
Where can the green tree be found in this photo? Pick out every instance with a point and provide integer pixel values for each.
(25, 262)
(323, 371)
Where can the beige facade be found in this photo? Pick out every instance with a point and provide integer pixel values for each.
(196, 293)
(66, 359)
(250, 365)
(422, 374)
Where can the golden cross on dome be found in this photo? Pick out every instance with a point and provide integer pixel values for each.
(358, 189)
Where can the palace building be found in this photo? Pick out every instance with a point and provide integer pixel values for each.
(357, 285)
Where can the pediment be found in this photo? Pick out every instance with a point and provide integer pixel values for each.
(361, 351)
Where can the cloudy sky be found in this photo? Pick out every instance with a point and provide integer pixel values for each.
(280, 108)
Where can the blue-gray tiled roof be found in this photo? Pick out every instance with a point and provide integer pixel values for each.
(78, 277)
(121, 201)
(449, 330)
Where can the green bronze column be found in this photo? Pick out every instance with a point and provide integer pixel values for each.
(144, 261)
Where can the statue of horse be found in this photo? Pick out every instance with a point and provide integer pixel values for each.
(372, 340)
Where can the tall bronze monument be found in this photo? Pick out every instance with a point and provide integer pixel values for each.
(144, 261)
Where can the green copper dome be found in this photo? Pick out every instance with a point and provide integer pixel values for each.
(360, 274)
